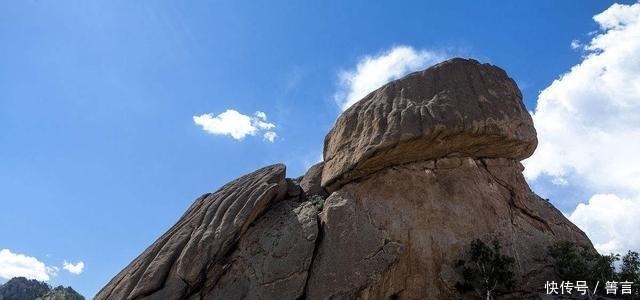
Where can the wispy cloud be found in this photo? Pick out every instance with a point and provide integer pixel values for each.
(270, 136)
(21, 265)
(76, 268)
(576, 44)
(371, 72)
(588, 124)
(237, 125)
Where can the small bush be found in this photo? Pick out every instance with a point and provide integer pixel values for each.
(317, 201)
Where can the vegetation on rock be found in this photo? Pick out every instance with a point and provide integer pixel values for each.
(578, 263)
(488, 272)
(630, 271)
(20, 288)
(317, 201)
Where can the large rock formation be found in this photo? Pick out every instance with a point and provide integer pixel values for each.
(192, 254)
(417, 219)
(413, 173)
(455, 108)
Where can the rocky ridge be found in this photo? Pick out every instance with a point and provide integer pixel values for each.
(20, 288)
(411, 174)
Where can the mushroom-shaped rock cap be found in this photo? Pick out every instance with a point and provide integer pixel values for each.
(459, 107)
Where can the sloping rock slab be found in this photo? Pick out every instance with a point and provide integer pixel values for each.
(179, 263)
(311, 181)
(353, 252)
(273, 257)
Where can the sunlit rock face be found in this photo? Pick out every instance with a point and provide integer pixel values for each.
(194, 254)
(412, 174)
(397, 233)
(456, 108)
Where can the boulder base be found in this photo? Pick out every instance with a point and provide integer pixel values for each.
(414, 221)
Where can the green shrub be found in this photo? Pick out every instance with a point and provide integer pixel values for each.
(630, 271)
(317, 201)
(487, 271)
(576, 263)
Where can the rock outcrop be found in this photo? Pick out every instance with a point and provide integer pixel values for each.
(311, 182)
(273, 259)
(422, 217)
(191, 254)
(411, 175)
(455, 108)
(20, 288)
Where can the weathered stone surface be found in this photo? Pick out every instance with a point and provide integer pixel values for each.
(353, 254)
(311, 182)
(273, 257)
(417, 170)
(434, 213)
(294, 191)
(456, 108)
(178, 264)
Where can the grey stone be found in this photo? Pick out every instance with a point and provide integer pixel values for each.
(353, 254)
(311, 182)
(273, 257)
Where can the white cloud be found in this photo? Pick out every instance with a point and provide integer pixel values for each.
(559, 181)
(76, 268)
(372, 72)
(605, 218)
(53, 271)
(576, 44)
(20, 265)
(260, 115)
(270, 136)
(588, 124)
(260, 121)
(236, 124)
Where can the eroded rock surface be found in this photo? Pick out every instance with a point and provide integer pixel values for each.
(434, 209)
(354, 251)
(413, 173)
(273, 258)
(311, 182)
(178, 264)
(456, 108)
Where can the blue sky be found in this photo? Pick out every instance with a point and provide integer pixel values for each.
(99, 150)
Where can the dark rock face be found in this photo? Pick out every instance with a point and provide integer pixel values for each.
(272, 260)
(354, 252)
(456, 108)
(413, 173)
(20, 288)
(61, 293)
(311, 182)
